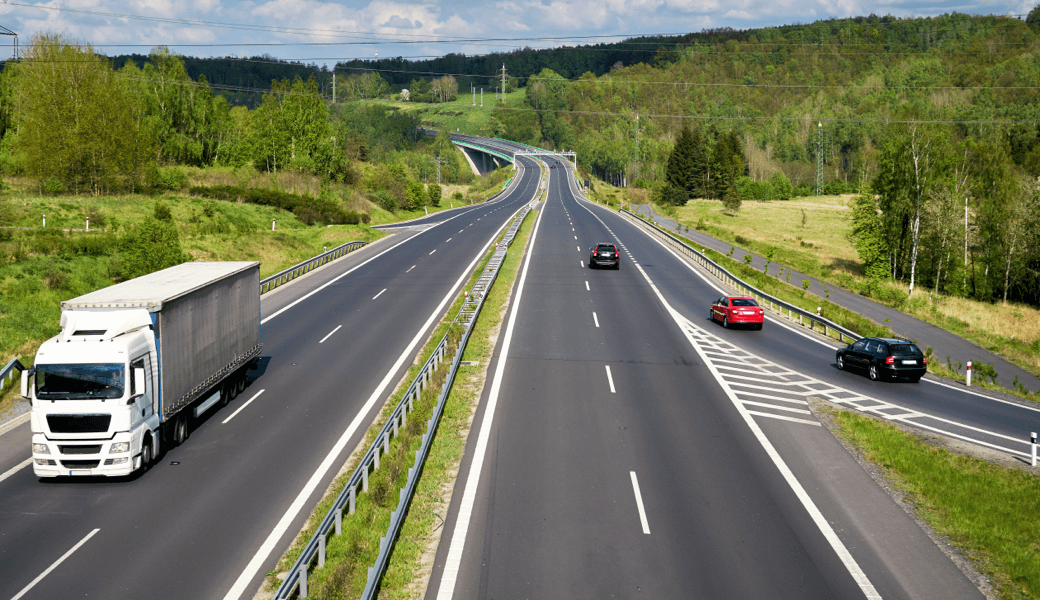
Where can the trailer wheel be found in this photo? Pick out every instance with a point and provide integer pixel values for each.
(242, 382)
(232, 388)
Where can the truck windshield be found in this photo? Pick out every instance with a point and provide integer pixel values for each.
(76, 382)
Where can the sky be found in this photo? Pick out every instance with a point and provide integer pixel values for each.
(326, 31)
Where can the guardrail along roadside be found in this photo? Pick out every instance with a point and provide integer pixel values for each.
(449, 350)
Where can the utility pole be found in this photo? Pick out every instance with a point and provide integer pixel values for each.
(6, 31)
(819, 158)
(481, 97)
(333, 85)
(503, 82)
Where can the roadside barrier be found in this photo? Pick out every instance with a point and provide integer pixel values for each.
(307, 266)
(794, 313)
(295, 583)
(8, 371)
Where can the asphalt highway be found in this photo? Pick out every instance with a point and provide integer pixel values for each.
(611, 457)
(215, 514)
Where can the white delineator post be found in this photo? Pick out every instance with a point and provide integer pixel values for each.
(969, 373)
(272, 224)
(1032, 444)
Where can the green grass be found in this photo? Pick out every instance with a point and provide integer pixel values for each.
(350, 555)
(459, 115)
(988, 510)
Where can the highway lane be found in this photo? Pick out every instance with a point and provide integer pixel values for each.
(195, 523)
(1006, 424)
(617, 465)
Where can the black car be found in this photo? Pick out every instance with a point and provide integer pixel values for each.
(884, 358)
(604, 255)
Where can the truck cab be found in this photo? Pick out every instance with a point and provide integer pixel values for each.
(92, 389)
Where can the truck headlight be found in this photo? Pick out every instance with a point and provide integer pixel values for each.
(41, 449)
(119, 447)
(120, 461)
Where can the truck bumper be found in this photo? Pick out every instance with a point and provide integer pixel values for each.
(82, 458)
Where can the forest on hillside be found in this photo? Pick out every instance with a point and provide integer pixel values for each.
(928, 118)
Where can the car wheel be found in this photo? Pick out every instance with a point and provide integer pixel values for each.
(873, 373)
(725, 322)
(617, 267)
(841, 363)
(711, 315)
(915, 379)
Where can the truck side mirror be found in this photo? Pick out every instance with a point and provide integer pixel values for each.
(139, 387)
(25, 383)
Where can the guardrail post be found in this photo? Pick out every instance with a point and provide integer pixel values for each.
(339, 516)
(353, 500)
(386, 443)
(364, 478)
(303, 581)
(396, 434)
(321, 550)
(375, 456)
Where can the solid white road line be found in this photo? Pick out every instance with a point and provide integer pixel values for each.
(337, 327)
(410, 268)
(243, 407)
(587, 287)
(595, 318)
(15, 422)
(334, 456)
(379, 294)
(334, 280)
(639, 503)
(54, 566)
(469, 495)
(16, 468)
(610, 380)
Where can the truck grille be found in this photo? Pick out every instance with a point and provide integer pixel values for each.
(79, 423)
(80, 464)
(80, 449)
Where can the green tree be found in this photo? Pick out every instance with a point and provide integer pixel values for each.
(1033, 20)
(434, 193)
(782, 186)
(866, 233)
(76, 124)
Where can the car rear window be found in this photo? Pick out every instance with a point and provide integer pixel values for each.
(611, 248)
(744, 302)
(904, 349)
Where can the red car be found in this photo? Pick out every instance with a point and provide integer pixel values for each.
(738, 310)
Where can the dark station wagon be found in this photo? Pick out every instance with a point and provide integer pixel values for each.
(604, 255)
(884, 358)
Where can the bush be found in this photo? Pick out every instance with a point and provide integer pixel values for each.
(803, 190)
(384, 200)
(167, 178)
(307, 209)
(782, 186)
(984, 371)
(162, 212)
(151, 246)
(434, 192)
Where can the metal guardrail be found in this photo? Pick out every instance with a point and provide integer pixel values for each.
(8, 371)
(295, 583)
(307, 266)
(733, 281)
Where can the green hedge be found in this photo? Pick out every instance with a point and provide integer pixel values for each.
(308, 209)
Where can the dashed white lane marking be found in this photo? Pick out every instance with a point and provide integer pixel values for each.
(432, 251)
(595, 318)
(581, 264)
(16, 468)
(379, 294)
(639, 503)
(461, 230)
(337, 327)
(610, 380)
(410, 268)
(579, 248)
(54, 566)
(448, 240)
(575, 237)
(243, 407)
(587, 287)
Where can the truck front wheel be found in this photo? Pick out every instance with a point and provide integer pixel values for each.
(146, 456)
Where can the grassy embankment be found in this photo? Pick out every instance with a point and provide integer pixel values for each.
(987, 510)
(349, 555)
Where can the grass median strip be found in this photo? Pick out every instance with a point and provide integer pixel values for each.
(351, 554)
(987, 510)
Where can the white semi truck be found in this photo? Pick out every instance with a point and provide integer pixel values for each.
(136, 362)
